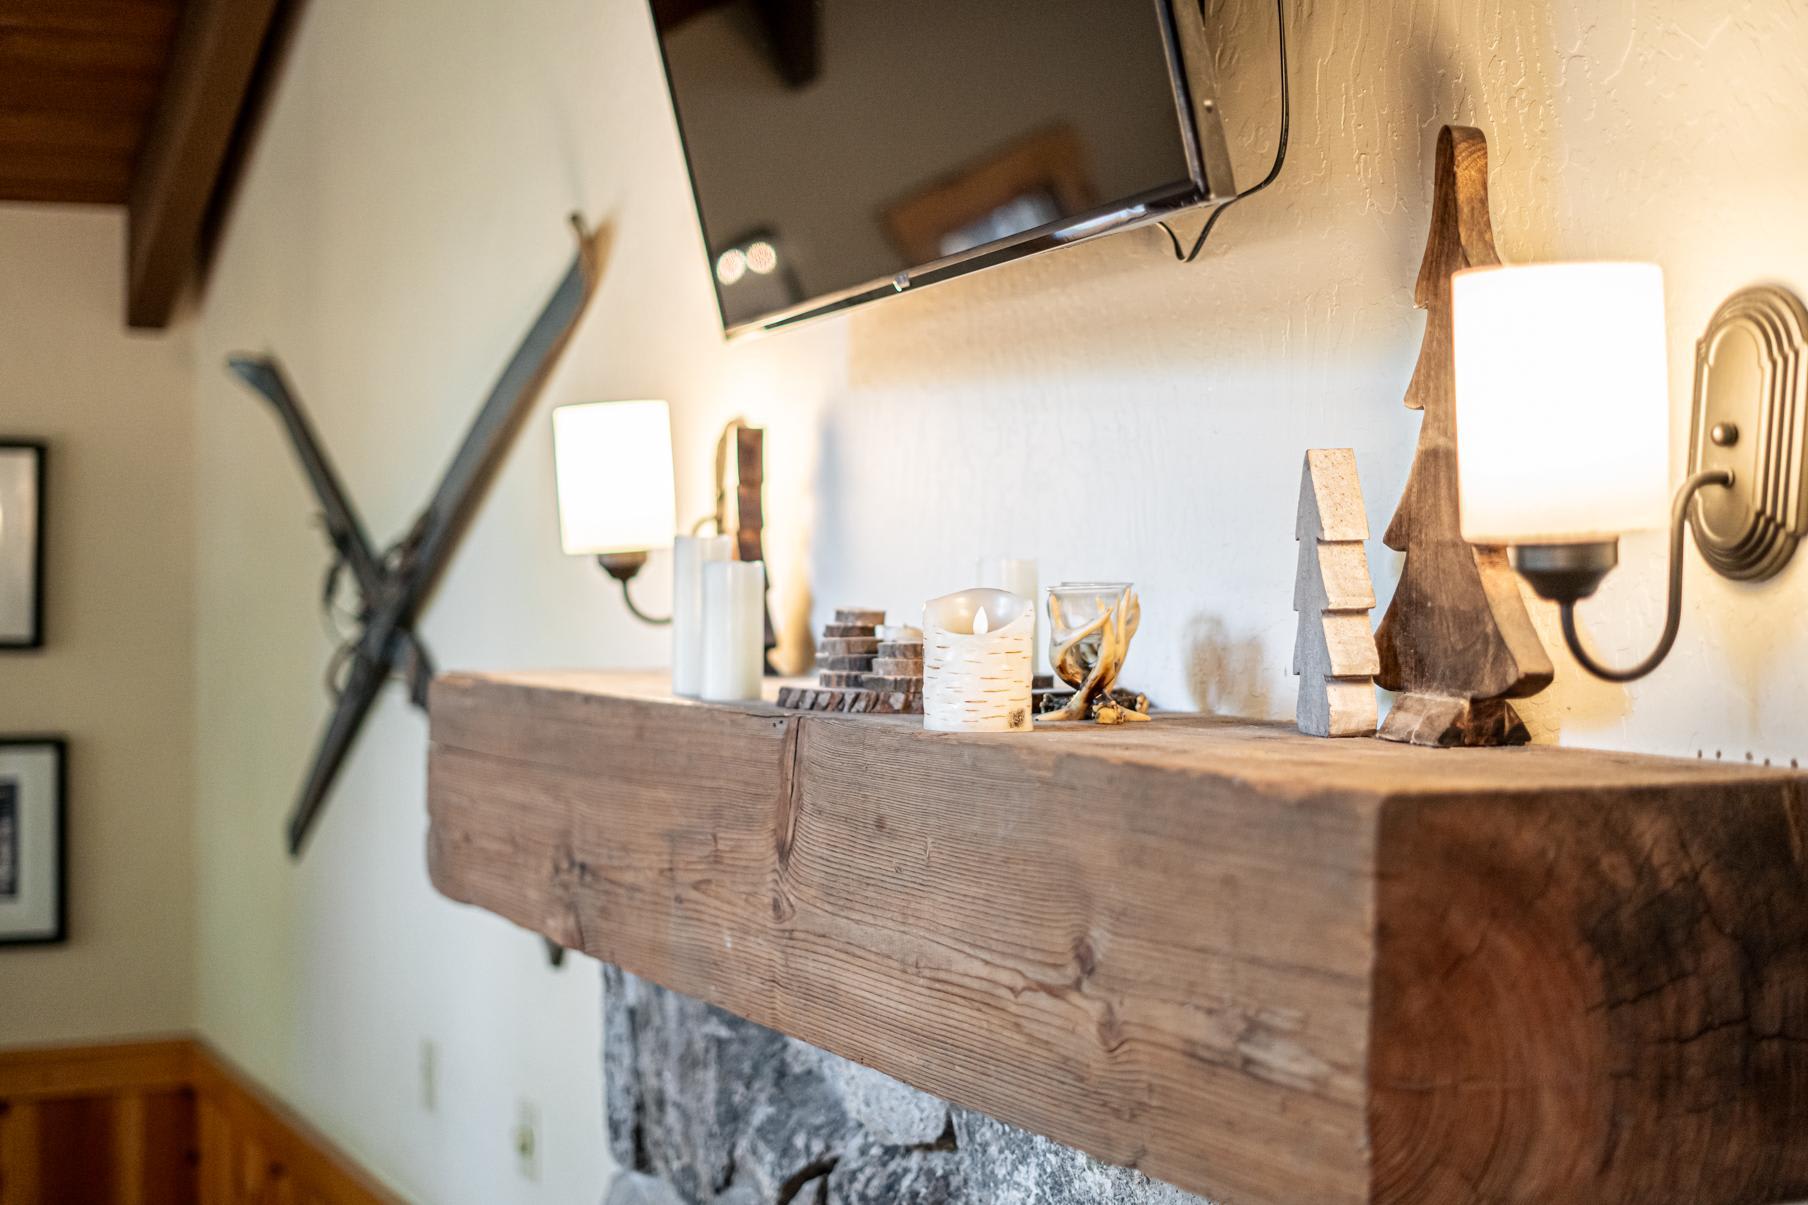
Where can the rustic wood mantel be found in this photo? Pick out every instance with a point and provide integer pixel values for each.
(1262, 967)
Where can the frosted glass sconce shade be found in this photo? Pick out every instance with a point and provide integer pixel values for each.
(613, 462)
(1562, 402)
(1562, 419)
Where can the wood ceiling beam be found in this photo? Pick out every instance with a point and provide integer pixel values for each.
(215, 66)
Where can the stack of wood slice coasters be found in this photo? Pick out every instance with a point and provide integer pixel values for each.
(845, 655)
(863, 667)
(897, 661)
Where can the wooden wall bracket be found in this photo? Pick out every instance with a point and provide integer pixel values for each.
(1456, 641)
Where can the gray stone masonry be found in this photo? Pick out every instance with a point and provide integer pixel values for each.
(707, 1109)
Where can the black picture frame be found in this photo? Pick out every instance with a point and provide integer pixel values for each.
(40, 455)
(58, 933)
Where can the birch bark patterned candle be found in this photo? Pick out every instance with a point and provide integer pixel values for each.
(976, 662)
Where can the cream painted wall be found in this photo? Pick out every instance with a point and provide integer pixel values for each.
(401, 223)
(116, 673)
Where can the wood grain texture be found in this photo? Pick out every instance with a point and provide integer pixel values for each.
(1457, 628)
(1262, 967)
(213, 67)
(79, 81)
(1592, 997)
(158, 1123)
(278, 1155)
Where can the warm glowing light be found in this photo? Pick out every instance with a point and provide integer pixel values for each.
(613, 464)
(731, 265)
(1562, 401)
(981, 625)
(762, 257)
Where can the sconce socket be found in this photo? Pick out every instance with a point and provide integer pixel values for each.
(1566, 573)
(622, 566)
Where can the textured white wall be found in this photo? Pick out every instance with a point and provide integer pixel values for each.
(1104, 409)
(1117, 414)
(115, 674)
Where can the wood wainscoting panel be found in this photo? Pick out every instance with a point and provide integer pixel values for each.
(1260, 966)
(158, 1123)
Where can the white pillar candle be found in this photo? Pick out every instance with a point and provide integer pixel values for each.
(976, 662)
(689, 555)
(1017, 574)
(734, 629)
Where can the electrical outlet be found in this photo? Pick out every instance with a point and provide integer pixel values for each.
(527, 1140)
(429, 1075)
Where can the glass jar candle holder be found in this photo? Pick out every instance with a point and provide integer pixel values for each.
(1090, 626)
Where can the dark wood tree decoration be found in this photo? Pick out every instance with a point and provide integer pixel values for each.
(1456, 642)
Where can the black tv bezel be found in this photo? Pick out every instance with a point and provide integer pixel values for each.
(1209, 182)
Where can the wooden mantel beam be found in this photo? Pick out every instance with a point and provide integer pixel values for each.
(212, 73)
(1262, 967)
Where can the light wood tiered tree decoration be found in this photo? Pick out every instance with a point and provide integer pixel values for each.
(1456, 641)
(1334, 649)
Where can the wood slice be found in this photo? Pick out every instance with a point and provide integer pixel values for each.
(862, 662)
(900, 631)
(909, 650)
(891, 682)
(860, 615)
(848, 646)
(841, 630)
(842, 678)
(796, 698)
(851, 702)
(898, 667)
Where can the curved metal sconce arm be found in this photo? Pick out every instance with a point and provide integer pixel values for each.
(622, 566)
(1567, 574)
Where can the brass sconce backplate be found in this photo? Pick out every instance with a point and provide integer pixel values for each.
(1751, 417)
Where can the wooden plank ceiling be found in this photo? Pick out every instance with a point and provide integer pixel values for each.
(79, 80)
(141, 103)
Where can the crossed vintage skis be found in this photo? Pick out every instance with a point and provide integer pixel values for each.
(395, 588)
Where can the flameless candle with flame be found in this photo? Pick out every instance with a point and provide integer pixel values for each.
(976, 662)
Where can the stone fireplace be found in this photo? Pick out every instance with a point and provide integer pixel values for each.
(705, 1108)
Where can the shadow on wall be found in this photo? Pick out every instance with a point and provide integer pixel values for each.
(1225, 674)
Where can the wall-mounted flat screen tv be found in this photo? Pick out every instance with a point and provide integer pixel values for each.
(845, 150)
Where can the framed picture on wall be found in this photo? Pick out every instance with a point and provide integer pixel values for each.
(33, 837)
(21, 545)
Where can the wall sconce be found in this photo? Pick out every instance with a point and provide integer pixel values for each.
(1562, 405)
(612, 462)
(613, 465)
